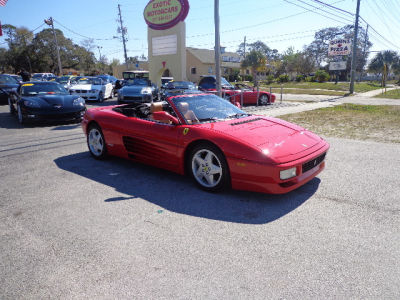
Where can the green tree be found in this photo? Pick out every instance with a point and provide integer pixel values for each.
(384, 63)
(256, 61)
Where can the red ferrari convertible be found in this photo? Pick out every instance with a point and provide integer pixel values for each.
(240, 93)
(211, 140)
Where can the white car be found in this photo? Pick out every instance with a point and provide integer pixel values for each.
(92, 88)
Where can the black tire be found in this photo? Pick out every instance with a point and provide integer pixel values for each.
(21, 118)
(263, 100)
(208, 168)
(11, 107)
(96, 142)
(101, 97)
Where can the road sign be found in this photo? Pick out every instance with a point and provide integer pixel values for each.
(339, 47)
(337, 65)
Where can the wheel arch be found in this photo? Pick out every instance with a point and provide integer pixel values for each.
(192, 145)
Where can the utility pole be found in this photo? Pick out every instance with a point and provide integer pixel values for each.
(50, 22)
(217, 48)
(354, 54)
(244, 46)
(122, 29)
(365, 48)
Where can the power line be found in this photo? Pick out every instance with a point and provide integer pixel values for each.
(334, 7)
(25, 35)
(81, 35)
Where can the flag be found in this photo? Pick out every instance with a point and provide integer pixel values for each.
(3, 2)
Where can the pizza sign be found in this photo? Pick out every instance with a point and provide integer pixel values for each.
(339, 47)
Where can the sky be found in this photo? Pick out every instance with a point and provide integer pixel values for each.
(278, 23)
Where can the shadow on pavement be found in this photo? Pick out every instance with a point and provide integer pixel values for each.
(178, 194)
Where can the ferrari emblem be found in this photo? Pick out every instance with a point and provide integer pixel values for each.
(185, 131)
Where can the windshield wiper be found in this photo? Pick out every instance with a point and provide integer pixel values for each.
(237, 116)
(212, 119)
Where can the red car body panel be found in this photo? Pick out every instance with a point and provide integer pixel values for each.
(256, 148)
(249, 96)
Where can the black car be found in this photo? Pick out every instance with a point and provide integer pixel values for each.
(45, 101)
(7, 85)
(174, 88)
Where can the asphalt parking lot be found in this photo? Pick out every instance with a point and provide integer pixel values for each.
(74, 227)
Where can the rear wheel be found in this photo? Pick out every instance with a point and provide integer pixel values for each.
(96, 142)
(209, 168)
(263, 100)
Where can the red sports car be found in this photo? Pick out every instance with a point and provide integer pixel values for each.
(240, 93)
(211, 140)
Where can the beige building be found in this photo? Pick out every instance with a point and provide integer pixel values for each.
(202, 62)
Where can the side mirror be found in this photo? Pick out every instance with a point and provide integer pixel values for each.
(165, 117)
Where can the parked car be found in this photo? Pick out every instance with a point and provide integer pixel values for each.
(139, 90)
(92, 88)
(234, 95)
(209, 139)
(45, 101)
(65, 81)
(110, 79)
(174, 88)
(43, 76)
(16, 77)
(7, 85)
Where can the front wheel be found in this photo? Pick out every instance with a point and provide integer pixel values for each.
(21, 118)
(101, 97)
(209, 168)
(11, 106)
(96, 142)
(263, 100)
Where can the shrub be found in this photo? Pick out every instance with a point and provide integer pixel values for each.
(299, 78)
(283, 78)
(310, 79)
(247, 78)
(321, 76)
(270, 79)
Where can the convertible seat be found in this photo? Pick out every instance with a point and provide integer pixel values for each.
(154, 107)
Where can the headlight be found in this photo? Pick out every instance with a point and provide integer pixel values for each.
(78, 102)
(146, 91)
(30, 103)
(289, 173)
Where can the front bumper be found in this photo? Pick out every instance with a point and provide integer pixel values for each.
(139, 98)
(53, 116)
(264, 178)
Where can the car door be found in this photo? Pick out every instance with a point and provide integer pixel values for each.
(151, 142)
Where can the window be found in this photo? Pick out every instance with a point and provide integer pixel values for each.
(193, 70)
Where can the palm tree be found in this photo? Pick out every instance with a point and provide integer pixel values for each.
(384, 63)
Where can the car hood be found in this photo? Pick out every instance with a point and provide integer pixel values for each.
(85, 87)
(133, 89)
(8, 87)
(276, 138)
(53, 100)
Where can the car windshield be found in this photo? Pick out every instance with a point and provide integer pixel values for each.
(94, 81)
(37, 76)
(210, 83)
(7, 79)
(181, 85)
(62, 79)
(137, 81)
(208, 108)
(33, 89)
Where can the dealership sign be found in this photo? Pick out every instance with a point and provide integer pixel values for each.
(337, 65)
(339, 47)
(164, 14)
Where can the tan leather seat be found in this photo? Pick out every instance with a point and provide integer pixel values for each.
(155, 107)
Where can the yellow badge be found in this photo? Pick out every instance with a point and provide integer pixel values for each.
(185, 131)
(28, 84)
(83, 79)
